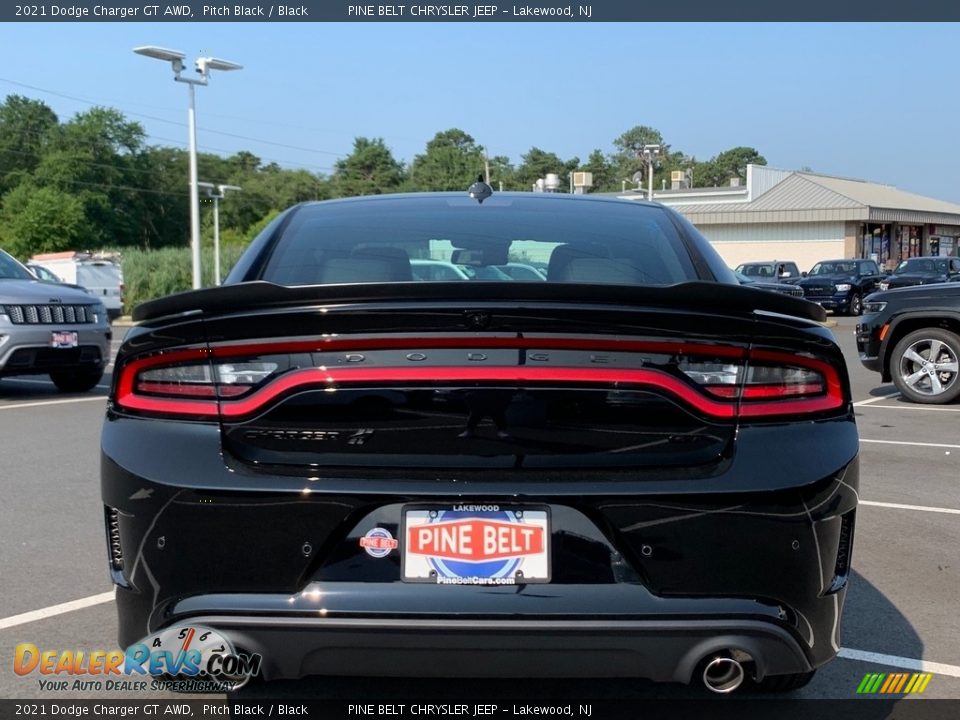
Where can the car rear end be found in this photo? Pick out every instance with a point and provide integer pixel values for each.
(104, 280)
(571, 477)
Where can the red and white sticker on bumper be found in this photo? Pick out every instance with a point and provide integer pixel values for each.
(468, 544)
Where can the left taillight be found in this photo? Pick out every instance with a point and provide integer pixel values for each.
(187, 383)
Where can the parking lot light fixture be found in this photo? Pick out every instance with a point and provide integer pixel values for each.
(648, 153)
(216, 193)
(204, 65)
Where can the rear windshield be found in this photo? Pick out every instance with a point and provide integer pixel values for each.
(455, 239)
(98, 275)
(921, 265)
(756, 271)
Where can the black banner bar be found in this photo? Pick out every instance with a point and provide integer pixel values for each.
(492, 11)
(718, 708)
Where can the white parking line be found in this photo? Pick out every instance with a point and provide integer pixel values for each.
(53, 610)
(105, 386)
(911, 407)
(907, 442)
(52, 402)
(901, 506)
(861, 403)
(900, 662)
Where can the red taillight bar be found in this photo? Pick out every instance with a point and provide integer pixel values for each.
(716, 401)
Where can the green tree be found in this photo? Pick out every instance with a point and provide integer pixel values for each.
(451, 162)
(604, 175)
(94, 157)
(628, 160)
(502, 172)
(25, 127)
(42, 219)
(538, 164)
(719, 170)
(369, 170)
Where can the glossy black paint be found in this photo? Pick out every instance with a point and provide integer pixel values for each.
(922, 271)
(721, 533)
(905, 310)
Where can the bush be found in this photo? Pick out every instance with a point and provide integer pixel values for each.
(150, 274)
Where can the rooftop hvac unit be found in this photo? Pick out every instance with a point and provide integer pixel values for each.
(680, 179)
(552, 182)
(583, 179)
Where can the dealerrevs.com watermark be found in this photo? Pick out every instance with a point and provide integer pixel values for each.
(189, 658)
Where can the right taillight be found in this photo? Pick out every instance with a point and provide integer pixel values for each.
(770, 383)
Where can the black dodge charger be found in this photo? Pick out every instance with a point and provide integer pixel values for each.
(637, 468)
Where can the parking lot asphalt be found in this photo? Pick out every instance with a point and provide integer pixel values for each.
(901, 614)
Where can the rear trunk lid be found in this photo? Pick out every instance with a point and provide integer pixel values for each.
(425, 380)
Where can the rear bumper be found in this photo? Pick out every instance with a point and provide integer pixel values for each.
(649, 577)
(25, 349)
(660, 650)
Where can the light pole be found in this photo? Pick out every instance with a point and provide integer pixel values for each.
(204, 66)
(649, 152)
(215, 193)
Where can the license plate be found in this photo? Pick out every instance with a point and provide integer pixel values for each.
(65, 339)
(475, 544)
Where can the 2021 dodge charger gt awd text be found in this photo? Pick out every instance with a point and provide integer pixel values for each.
(351, 472)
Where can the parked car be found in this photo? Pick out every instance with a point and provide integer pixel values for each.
(780, 287)
(522, 272)
(50, 329)
(773, 271)
(841, 285)
(580, 467)
(441, 270)
(102, 277)
(436, 270)
(922, 271)
(41, 273)
(912, 336)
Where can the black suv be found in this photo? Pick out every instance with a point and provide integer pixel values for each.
(841, 285)
(912, 336)
(923, 271)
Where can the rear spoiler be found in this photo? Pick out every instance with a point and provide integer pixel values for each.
(710, 296)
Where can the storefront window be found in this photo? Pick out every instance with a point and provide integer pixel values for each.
(908, 242)
(875, 242)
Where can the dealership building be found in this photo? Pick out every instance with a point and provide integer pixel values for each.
(805, 217)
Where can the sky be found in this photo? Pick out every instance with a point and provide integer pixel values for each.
(871, 101)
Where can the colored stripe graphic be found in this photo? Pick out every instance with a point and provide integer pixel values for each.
(894, 683)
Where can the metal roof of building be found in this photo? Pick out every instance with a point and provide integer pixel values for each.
(808, 197)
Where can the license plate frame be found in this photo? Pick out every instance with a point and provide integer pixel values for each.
(474, 544)
(64, 339)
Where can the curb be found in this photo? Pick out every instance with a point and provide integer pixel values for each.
(124, 321)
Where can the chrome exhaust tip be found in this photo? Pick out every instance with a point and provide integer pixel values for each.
(723, 675)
